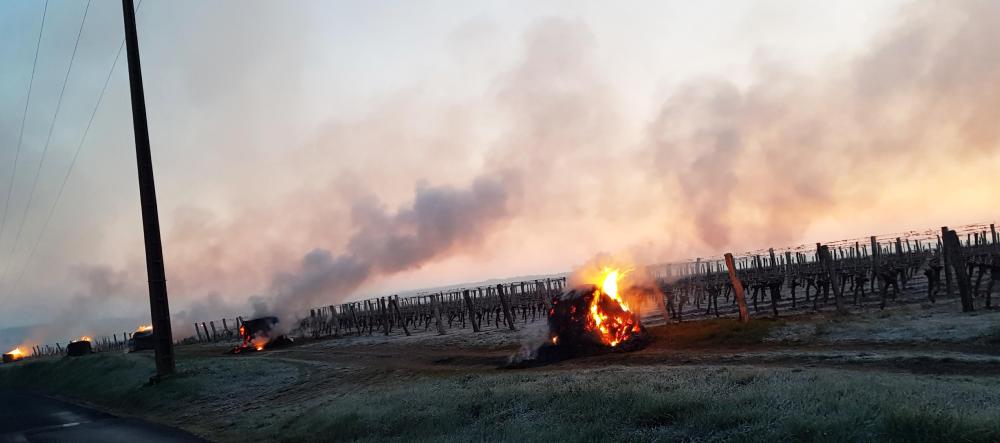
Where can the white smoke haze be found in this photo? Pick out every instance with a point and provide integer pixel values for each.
(544, 166)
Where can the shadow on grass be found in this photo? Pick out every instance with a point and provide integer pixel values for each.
(716, 333)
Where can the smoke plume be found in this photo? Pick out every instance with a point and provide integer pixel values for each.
(761, 162)
(441, 221)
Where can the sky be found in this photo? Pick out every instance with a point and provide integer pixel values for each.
(312, 152)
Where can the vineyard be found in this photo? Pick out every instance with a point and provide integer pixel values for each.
(869, 273)
(845, 275)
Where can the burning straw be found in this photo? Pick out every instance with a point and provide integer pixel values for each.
(591, 318)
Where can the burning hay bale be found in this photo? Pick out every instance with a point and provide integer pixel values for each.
(13, 356)
(79, 348)
(256, 335)
(142, 339)
(586, 320)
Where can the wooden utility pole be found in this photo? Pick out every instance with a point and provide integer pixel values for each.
(737, 288)
(159, 309)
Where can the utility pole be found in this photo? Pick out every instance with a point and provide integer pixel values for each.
(159, 309)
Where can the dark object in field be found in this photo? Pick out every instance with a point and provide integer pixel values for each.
(257, 326)
(11, 358)
(256, 336)
(586, 321)
(79, 348)
(141, 341)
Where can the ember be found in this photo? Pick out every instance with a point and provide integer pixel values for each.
(13, 356)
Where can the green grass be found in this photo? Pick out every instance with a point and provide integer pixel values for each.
(613, 403)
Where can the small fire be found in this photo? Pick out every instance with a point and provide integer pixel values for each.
(259, 342)
(144, 328)
(84, 338)
(17, 352)
(258, 334)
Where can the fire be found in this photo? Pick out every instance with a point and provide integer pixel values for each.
(609, 313)
(85, 338)
(595, 313)
(144, 328)
(14, 355)
(259, 342)
(258, 334)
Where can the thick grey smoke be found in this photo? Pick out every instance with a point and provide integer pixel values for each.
(440, 221)
(108, 302)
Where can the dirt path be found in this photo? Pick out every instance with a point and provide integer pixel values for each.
(365, 364)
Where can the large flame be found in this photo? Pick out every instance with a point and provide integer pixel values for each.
(14, 355)
(614, 325)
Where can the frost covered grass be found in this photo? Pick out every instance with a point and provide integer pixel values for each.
(923, 323)
(660, 404)
(217, 398)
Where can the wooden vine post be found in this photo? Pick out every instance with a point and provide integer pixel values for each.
(436, 308)
(472, 310)
(394, 300)
(953, 249)
(737, 289)
(506, 307)
(946, 260)
(824, 256)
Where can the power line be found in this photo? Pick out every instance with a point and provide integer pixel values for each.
(24, 116)
(48, 140)
(69, 171)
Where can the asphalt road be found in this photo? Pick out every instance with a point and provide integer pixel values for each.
(34, 418)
